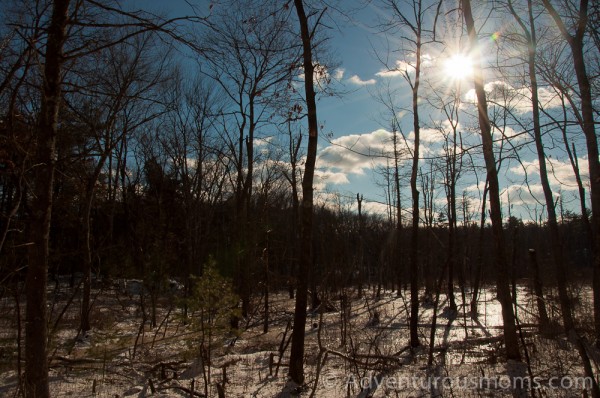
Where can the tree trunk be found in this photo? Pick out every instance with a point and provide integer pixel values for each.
(479, 262)
(538, 291)
(36, 362)
(296, 370)
(414, 250)
(452, 228)
(510, 331)
(555, 241)
(587, 112)
(360, 260)
(398, 251)
(84, 324)
(266, 286)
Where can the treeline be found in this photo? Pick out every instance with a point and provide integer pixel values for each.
(145, 237)
(143, 233)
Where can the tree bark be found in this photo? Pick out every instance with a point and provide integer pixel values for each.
(296, 370)
(399, 258)
(414, 250)
(587, 111)
(555, 241)
(36, 334)
(479, 261)
(451, 179)
(84, 324)
(538, 291)
(510, 331)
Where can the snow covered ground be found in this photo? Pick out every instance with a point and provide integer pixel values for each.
(122, 358)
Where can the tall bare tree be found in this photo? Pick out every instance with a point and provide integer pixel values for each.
(118, 83)
(36, 365)
(307, 33)
(251, 57)
(410, 18)
(504, 296)
(529, 31)
(579, 20)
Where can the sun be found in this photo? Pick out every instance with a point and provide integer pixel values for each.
(458, 67)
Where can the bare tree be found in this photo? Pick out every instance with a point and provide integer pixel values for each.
(66, 39)
(307, 34)
(36, 365)
(194, 151)
(251, 56)
(529, 32)
(450, 169)
(117, 83)
(576, 42)
(412, 17)
(504, 296)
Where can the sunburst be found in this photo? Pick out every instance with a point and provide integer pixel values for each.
(458, 67)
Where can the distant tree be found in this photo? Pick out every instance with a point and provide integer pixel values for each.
(193, 147)
(411, 19)
(251, 56)
(116, 84)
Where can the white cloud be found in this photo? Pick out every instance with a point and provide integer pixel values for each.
(428, 135)
(356, 152)
(359, 82)
(509, 133)
(323, 177)
(560, 172)
(400, 69)
(518, 99)
(519, 195)
(475, 188)
(264, 141)
(496, 87)
(322, 74)
(376, 207)
(426, 60)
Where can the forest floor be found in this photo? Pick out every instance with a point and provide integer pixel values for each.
(360, 352)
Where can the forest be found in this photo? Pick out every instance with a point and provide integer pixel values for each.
(170, 223)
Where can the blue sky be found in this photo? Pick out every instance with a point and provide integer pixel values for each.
(355, 119)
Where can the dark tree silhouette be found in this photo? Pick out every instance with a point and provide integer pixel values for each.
(36, 363)
(504, 296)
(297, 351)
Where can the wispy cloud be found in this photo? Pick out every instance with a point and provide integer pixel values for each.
(428, 135)
(400, 69)
(355, 153)
(519, 195)
(263, 141)
(359, 82)
(516, 98)
(560, 172)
